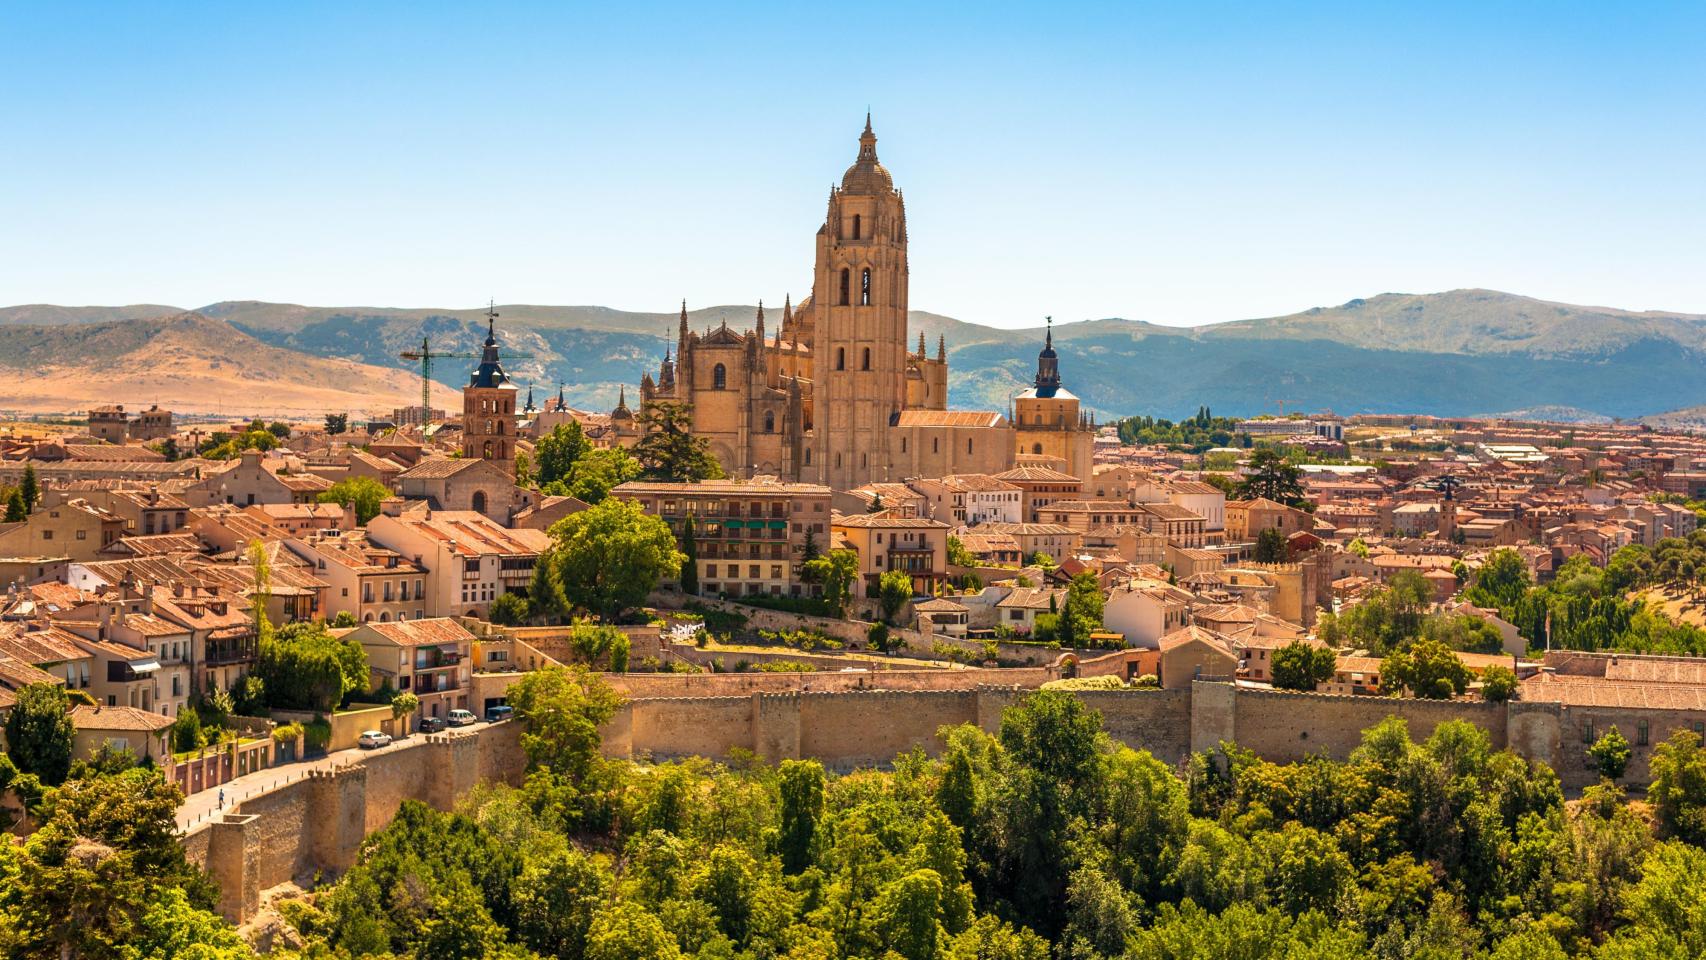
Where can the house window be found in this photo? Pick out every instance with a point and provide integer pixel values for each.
(865, 287)
(719, 378)
(1641, 734)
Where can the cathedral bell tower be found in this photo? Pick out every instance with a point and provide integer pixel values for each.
(859, 293)
(488, 407)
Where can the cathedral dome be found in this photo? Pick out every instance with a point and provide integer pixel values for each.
(867, 177)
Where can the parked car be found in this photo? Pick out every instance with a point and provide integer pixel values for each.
(430, 724)
(460, 718)
(372, 739)
(499, 712)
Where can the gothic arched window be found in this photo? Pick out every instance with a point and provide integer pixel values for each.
(479, 501)
(487, 454)
(855, 226)
(769, 421)
(865, 362)
(865, 288)
(719, 378)
(840, 358)
(846, 281)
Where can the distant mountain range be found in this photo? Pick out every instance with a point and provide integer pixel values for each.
(1460, 353)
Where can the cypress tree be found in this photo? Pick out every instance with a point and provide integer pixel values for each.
(690, 558)
(30, 489)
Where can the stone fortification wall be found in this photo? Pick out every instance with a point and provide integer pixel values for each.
(1290, 726)
(316, 824)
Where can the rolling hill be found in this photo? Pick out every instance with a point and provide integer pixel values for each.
(188, 363)
(1461, 352)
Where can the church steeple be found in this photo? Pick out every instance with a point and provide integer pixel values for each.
(1048, 365)
(490, 372)
(760, 328)
(529, 408)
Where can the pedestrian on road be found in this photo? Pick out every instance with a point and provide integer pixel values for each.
(222, 798)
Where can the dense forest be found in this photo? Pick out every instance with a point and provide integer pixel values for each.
(1042, 840)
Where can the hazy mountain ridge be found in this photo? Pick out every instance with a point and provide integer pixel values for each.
(1458, 353)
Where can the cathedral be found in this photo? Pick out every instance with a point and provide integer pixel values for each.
(835, 395)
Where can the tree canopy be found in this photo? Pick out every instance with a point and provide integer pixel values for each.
(607, 558)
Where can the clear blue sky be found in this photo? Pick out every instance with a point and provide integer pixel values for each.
(1179, 164)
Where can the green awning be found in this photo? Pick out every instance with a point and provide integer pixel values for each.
(734, 523)
(778, 524)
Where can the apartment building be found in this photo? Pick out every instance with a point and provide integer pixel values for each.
(365, 580)
(751, 536)
(468, 559)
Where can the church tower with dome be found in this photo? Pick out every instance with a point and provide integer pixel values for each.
(836, 397)
(1046, 418)
(488, 407)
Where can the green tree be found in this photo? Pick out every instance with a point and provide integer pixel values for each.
(557, 452)
(1498, 684)
(1303, 666)
(1502, 580)
(558, 893)
(509, 610)
(16, 512)
(1610, 753)
(1041, 560)
(801, 788)
(1428, 669)
(835, 572)
(1272, 547)
(1357, 548)
(908, 916)
(1270, 475)
(610, 557)
(39, 732)
(561, 709)
(668, 449)
(598, 472)
(690, 556)
(344, 620)
(303, 667)
(1081, 614)
(365, 493)
(894, 589)
(1678, 790)
(628, 931)
(30, 488)
(958, 555)
(279, 429)
(337, 423)
(404, 704)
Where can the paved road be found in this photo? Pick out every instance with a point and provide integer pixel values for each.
(203, 807)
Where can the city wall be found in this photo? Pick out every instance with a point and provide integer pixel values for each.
(314, 826)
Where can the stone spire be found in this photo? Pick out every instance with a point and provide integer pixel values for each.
(941, 348)
(920, 344)
(787, 309)
(562, 404)
(868, 141)
(683, 333)
(760, 328)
